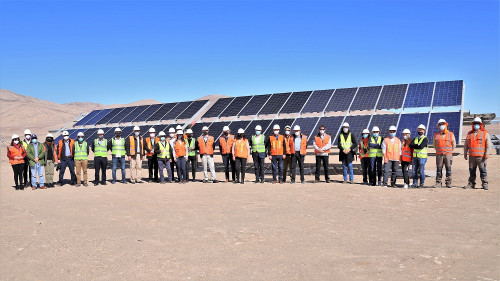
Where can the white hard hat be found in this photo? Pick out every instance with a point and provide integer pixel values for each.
(226, 128)
(406, 131)
(296, 128)
(118, 130)
(276, 127)
(365, 131)
(152, 130)
(171, 130)
(258, 128)
(189, 131)
(100, 132)
(136, 128)
(65, 133)
(392, 128)
(179, 127)
(441, 121)
(288, 127)
(375, 129)
(205, 128)
(162, 133)
(421, 126)
(179, 132)
(27, 132)
(345, 124)
(241, 131)
(477, 120)
(49, 135)
(80, 134)
(14, 136)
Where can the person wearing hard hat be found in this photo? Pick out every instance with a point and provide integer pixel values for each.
(299, 152)
(322, 145)
(149, 145)
(192, 159)
(16, 154)
(65, 157)
(100, 148)
(476, 149)
(347, 146)
(36, 156)
(165, 154)
(363, 156)
(406, 156)
(391, 149)
(134, 148)
(258, 144)
(419, 146)
(225, 148)
(117, 147)
(180, 153)
(276, 151)
(171, 139)
(81, 159)
(26, 169)
(375, 154)
(50, 159)
(206, 147)
(444, 143)
(287, 161)
(241, 150)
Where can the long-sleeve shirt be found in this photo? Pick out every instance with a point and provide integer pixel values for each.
(80, 143)
(384, 148)
(327, 146)
(262, 154)
(422, 145)
(268, 145)
(442, 135)
(157, 150)
(488, 143)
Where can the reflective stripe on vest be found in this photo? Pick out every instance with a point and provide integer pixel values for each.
(276, 145)
(477, 145)
(150, 145)
(165, 150)
(392, 149)
(81, 151)
(180, 148)
(362, 147)
(420, 153)
(133, 145)
(258, 146)
(240, 149)
(375, 152)
(118, 146)
(345, 144)
(226, 145)
(192, 146)
(208, 147)
(322, 143)
(101, 150)
(443, 146)
(16, 152)
(406, 153)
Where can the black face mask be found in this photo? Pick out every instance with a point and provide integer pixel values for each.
(205, 133)
(420, 133)
(226, 133)
(49, 140)
(241, 136)
(189, 136)
(118, 135)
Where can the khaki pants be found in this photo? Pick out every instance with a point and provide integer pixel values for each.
(81, 165)
(477, 162)
(136, 168)
(208, 160)
(49, 171)
(446, 160)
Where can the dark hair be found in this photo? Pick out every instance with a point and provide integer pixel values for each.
(321, 126)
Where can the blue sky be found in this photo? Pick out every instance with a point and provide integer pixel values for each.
(122, 51)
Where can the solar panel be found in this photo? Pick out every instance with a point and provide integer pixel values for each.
(192, 109)
(274, 104)
(98, 117)
(110, 115)
(145, 130)
(366, 98)
(109, 132)
(134, 114)
(357, 124)
(296, 102)
(419, 95)
(235, 125)
(453, 119)
(127, 131)
(392, 96)
(177, 110)
(197, 128)
(236, 106)
(250, 130)
(281, 122)
(383, 122)
(254, 105)
(148, 112)
(341, 100)
(318, 101)
(122, 114)
(91, 134)
(164, 109)
(216, 109)
(411, 122)
(216, 129)
(73, 134)
(87, 118)
(306, 124)
(448, 93)
(331, 123)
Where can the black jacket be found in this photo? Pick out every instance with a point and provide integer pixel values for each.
(349, 157)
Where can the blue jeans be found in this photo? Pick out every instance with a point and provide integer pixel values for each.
(37, 169)
(122, 167)
(419, 169)
(70, 163)
(181, 168)
(164, 164)
(277, 165)
(347, 167)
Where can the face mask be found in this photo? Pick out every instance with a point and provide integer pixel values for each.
(49, 140)
(241, 136)
(257, 133)
(34, 140)
(179, 137)
(162, 138)
(442, 127)
(405, 137)
(392, 135)
(226, 133)
(101, 137)
(172, 135)
(66, 138)
(365, 136)
(477, 127)
(152, 135)
(297, 134)
(287, 133)
(80, 139)
(16, 142)
(189, 136)
(420, 133)
(136, 134)
(27, 137)
(345, 130)
(276, 132)
(321, 131)
(375, 135)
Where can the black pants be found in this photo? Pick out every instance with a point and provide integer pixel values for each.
(391, 168)
(297, 158)
(406, 171)
(241, 164)
(153, 167)
(258, 164)
(70, 163)
(320, 159)
(172, 168)
(18, 174)
(191, 163)
(26, 172)
(366, 168)
(376, 169)
(100, 165)
(226, 160)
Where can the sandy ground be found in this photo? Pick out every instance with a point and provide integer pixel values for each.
(227, 231)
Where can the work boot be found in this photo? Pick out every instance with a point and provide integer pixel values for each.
(437, 185)
(448, 184)
(485, 185)
(470, 185)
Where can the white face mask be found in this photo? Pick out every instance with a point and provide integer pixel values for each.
(172, 135)
(66, 137)
(101, 136)
(276, 132)
(345, 130)
(152, 135)
(28, 137)
(287, 133)
(321, 131)
(297, 134)
(136, 134)
(16, 142)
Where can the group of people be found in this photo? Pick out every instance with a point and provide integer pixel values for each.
(380, 157)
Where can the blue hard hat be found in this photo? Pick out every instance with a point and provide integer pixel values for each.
(34, 136)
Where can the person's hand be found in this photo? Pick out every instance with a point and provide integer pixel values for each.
(36, 160)
(347, 150)
(466, 157)
(284, 156)
(386, 161)
(234, 158)
(130, 158)
(270, 158)
(58, 161)
(170, 160)
(399, 161)
(320, 150)
(486, 156)
(175, 160)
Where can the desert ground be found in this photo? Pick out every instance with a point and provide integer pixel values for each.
(231, 231)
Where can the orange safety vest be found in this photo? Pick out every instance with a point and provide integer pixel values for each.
(180, 148)
(363, 144)
(321, 143)
(289, 145)
(392, 150)
(12, 151)
(407, 152)
(150, 146)
(206, 148)
(61, 145)
(443, 146)
(477, 145)
(240, 148)
(226, 145)
(132, 148)
(276, 145)
(303, 145)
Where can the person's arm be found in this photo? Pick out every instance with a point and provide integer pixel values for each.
(384, 148)
(354, 143)
(110, 144)
(314, 144)
(248, 149)
(453, 141)
(30, 153)
(488, 146)
(156, 149)
(41, 154)
(88, 149)
(220, 145)
(267, 144)
(9, 155)
(232, 149)
(127, 147)
(91, 145)
(328, 144)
